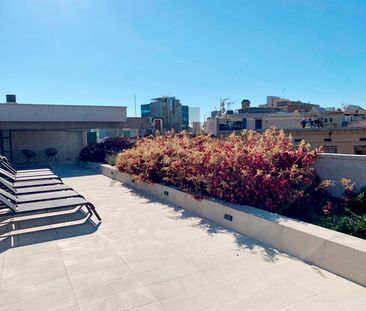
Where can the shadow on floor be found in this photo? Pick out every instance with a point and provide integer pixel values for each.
(212, 229)
(62, 169)
(72, 170)
(242, 241)
(28, 231)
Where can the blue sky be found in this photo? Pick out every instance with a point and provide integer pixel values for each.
(104, 52)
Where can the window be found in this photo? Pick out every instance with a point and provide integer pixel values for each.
(330, 120)
(258, 124)
(298, 140)
(325, 120)
(330, 149)
(244, 123)
(185, 117)
(127, 133)
(145, 110)
(360, 149)
(363, 139)
(327, 139)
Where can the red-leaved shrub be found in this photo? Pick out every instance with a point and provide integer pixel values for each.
(263, 170)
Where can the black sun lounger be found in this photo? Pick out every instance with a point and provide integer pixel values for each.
(29, 173)
(15, 178)
(40, 189)
(4, 162)
(43, 196)
(8, 186)
(18, 208)
(32, 183)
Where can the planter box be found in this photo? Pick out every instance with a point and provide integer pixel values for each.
(336, 252)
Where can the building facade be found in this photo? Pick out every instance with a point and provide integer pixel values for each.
(252, 120)
(347, 140)
(185, 117)
(169, 110)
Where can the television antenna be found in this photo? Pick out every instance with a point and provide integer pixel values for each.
(134, 100)
(229, 104)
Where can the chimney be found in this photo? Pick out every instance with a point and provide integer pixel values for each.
(245, 104)
(11, 99)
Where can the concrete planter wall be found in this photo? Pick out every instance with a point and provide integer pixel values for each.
(336, 252)
(336, 166)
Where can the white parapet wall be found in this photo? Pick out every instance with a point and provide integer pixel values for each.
(336, 252)
(336, 166)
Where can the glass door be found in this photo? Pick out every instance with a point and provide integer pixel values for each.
(5, 144)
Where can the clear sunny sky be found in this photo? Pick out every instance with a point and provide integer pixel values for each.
(103, 52)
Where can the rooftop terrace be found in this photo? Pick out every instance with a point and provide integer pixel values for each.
(147, 255)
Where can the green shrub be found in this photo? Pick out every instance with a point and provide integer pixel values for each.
(111, 159)
(349, 214)
(346, 214)
(349, 224)
(99, 152)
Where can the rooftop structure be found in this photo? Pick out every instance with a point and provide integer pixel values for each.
(63, 127)
(354, 110)
(22, 113)
(194, 114)
(287, 105)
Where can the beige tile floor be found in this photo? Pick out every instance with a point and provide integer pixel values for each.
(147, 255)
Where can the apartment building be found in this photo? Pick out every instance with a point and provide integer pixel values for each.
(166, 113)
(338, 131)
(254, 121)
(254, 118)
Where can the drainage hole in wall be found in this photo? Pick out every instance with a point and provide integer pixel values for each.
(228, 217)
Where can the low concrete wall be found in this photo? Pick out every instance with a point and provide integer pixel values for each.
(333, 251)
(336, 166)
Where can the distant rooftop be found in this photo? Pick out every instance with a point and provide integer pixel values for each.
(14, 112)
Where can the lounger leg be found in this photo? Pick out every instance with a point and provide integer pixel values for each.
(91, 207)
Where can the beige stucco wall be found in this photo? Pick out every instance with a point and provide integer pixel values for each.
(67, 143)
(268, 120)
(284, 123)
(345, 140)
